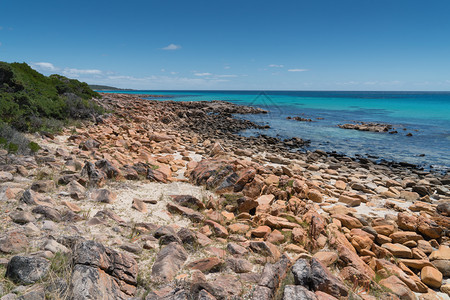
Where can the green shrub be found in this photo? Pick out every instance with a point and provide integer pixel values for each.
(30, 101)
(14, 141)
(34, 147)
(12, 148)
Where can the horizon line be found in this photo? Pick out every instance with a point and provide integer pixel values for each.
(269, 90)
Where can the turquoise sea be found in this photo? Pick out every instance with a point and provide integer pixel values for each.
(424, 114)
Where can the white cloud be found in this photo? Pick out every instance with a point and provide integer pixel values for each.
(47, 67)
(298, 70)
(158, 82)
(172, 47)
(43, 66)
(226, 76)
(351, 82)
(197, 80)
(70, 72)
(203, 74)
(276, 66)
(227, 67)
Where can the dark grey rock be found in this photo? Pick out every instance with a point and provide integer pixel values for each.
(323, 280)
(302, 273)
(48, 213)
(30, 197)
(187, 236)
(90, 174)
(27, 269)
(189, 201)
(273, 274)
(167, 239)
(108, 168)
(167, 235)
(164, 230)
(421, 190)
(102, 273)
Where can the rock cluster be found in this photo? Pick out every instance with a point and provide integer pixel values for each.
(161, 200)
(373, 127)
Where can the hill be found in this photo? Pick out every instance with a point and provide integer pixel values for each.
(30, 101)
(106, 88)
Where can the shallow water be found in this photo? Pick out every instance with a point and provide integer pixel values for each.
(424, 114)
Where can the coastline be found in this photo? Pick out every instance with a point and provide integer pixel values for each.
(421, 122)
(264, 208)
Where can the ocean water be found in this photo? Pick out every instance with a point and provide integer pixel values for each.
(424, 114)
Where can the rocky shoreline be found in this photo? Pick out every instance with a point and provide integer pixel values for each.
(164, 200)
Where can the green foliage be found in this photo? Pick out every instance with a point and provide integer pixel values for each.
(30, 100)
(34, 147)
(14, 141)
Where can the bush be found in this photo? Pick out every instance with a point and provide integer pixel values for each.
(15, 142)
(34, 147)
(30, 101)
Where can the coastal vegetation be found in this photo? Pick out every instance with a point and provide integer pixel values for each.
(31, 102)
(106, 88)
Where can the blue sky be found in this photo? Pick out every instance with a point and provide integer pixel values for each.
(241, 45)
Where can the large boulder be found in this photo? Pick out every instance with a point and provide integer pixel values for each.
(302, 273)
(102, 273)
(323, 280)
(398, 287)
(27, 269)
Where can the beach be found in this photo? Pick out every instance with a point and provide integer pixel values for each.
(172, 200)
